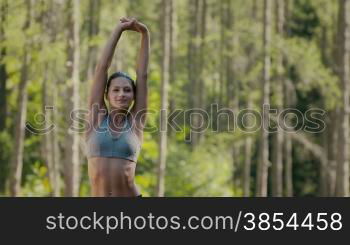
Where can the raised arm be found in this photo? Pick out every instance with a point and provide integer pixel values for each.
(100, 75)
(140, 107)
(96, 98)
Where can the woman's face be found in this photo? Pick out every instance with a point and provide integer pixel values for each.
(120, 94)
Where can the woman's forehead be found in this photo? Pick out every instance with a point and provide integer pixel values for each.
(120, 82)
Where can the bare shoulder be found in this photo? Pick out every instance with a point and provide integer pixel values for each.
(95, 117)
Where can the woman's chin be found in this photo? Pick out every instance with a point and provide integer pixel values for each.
(121, 107)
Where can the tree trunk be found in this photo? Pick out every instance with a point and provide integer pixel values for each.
(164, 101)
(17, 156)
(236, 170)
(3, 72)
(277, 163)
(263, 164)
(247, 166)
(288, 143)
(201, 68)
(288, 174)
(49, 143)
(247, 153)
(56, 154)
(324, 170)
(332, 135)
(93, 30)
(198, 82)
(232, 88)
(172, 77)
(248, 144)
(20, 119)
(46, 142)
(222, 53)
(72, 166)
(191, 52)
(342, 174)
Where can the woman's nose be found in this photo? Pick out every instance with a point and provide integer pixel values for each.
(121, 95)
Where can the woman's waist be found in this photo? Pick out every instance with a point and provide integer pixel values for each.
(109, 160)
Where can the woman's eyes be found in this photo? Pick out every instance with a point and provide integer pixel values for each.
(125, 90)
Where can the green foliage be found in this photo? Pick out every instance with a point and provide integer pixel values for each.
(5, 154)
(306, 171)
(204, 172)
(304, 57)
(36, 183)
(207, 169)
(304, 19)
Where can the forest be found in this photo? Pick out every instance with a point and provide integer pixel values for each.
(247, 98)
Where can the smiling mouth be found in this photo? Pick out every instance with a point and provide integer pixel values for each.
(121, 101)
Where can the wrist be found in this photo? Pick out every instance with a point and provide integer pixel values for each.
(119, 29)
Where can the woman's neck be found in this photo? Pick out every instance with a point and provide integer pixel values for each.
(117, 116)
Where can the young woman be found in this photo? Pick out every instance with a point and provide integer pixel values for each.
(115, 136)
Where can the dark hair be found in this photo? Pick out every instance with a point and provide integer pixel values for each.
(121, 74)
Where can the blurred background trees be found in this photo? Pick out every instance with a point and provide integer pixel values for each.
(234, 54)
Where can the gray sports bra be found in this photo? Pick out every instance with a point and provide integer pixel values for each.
(101, 142)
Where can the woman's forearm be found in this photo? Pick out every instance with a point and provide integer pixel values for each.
(108, 51)
(142, 63)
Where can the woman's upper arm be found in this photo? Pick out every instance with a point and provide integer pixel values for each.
(96, 105)
(98, 87)
(139, 110)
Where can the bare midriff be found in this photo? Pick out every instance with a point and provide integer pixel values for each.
(112, 177)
